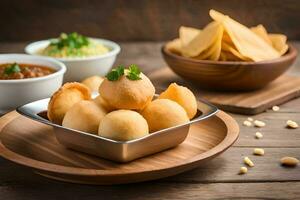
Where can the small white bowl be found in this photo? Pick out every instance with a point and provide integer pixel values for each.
(17, 92)
(81, 68)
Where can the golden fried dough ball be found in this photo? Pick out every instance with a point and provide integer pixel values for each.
(93, 82)
(84, 116)
(164, 113)
(63, 99)
(127, 94)
(183, 96)
(123, 125)
(100, 101)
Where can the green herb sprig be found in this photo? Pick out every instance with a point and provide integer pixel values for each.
(116, 73)
(132, 73)
(13, 68)
(72, 41)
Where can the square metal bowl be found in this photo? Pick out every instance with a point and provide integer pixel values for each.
(119, 151)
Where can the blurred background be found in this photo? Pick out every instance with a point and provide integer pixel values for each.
(137, 20)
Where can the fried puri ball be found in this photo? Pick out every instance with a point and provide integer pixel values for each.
(100, 101)
(84, 116)
(123, 125)
(63, 99)
(93, 82)
(127, 94)
(164, 113)
(183, 96)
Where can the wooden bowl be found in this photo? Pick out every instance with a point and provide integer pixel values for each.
(229, 75)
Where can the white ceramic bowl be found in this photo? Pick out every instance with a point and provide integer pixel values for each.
(81, 68)
(14, 93)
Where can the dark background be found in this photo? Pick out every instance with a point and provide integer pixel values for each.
(137, 20)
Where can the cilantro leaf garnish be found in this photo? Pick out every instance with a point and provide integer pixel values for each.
(72, 41)
(115, 74)
(13, 68)
(133, 73)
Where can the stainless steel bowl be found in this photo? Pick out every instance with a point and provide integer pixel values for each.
(119, 151)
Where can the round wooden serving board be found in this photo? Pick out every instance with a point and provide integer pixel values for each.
(34, 145)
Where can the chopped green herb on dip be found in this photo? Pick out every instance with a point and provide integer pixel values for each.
(74, 45)
(21, 71)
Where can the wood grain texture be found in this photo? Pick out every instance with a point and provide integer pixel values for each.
(281, 90)
(156, 191)
(137, 19)
(235, 76)
(34, 145)
(210, 181)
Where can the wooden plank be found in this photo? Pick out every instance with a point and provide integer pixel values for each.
(138, 19)
(281, 90)
(155, 191)
(224, 168)
(275, 132)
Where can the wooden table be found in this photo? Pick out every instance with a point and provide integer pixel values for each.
(217, 179)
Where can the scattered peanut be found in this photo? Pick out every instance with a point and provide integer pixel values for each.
(247, 123)
(291, 124)
(243, 170)
(259, 123)
(258, 135)
(289, 161)
(248, 162)
(275, 108)
(250, 119)
(259, 151)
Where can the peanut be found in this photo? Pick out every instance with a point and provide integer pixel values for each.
(275, 108)
(250, 119)
(289, 161)
(258, 135)
(291, 124)
(247, 123)
(248, 162)
(259, 123)
(243, 170)
(258, 151)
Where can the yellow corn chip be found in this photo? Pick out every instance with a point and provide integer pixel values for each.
(187, 34)
(247, 43)
(261, 32)
(228, 48)
(217, 46)
(227, 39)
(279, 42)
(174, 46)
(203, 40)
(223, 56)
(230, 57)
(214, 51)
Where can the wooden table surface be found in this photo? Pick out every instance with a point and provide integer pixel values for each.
(217, 179)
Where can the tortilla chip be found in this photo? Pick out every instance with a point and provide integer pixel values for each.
(279, 42)
(63, 99)
(203, 40)
(261, 32)
(174, 46)
(247, 43)
(187, 34)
